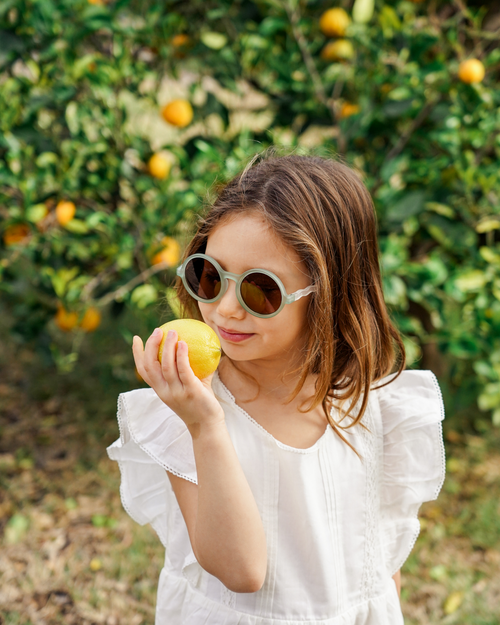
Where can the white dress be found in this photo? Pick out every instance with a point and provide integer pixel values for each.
(337, 529)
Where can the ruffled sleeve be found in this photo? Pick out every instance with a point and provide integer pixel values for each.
(153, 440)
(413, 467)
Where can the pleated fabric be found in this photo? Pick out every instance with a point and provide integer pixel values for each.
(337, 526)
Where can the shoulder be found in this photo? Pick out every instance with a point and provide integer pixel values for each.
(413, 395)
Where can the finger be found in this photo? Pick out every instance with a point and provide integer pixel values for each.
(151, 363)
(186, 375)
(138, 353)
(168, 360)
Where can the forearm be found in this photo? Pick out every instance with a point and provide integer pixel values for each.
(397, 579)
(229, 539)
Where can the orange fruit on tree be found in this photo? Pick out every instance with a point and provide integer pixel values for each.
(180, 40)
(347, 109)
(18, 233)
(65, 320)
(65, 211)
(178, 113)
(471, 71)
(159, 166)
(340, 50)
(334, 22)
(204, 350)
(170, 253)
(91, 320)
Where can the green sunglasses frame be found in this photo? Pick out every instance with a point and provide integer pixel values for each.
(226, 275)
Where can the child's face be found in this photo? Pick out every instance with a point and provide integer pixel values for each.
(243, 243)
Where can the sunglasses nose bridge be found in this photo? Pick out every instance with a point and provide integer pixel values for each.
(228, 302)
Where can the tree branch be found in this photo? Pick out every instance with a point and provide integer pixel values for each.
(405, 137)
(126, 288)
(96, 281)
(294, 17)
(416, 123)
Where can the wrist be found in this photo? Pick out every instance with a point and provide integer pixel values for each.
(210, 428)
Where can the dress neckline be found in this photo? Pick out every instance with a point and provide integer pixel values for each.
(298, 450)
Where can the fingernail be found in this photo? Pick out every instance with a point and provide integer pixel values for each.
(170, 334)
(157, 332)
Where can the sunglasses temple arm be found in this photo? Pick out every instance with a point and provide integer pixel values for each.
(302, 293)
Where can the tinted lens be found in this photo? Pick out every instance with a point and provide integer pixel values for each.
(203, 278)
(261, 293)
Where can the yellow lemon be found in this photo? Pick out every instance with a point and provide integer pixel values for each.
(170, 253)
(159, 166)
(178, 113)
(91, 320)
(471, 71)
(66, 320)
(254, 296)
(204, 348)
(333, 23)
(65, 211)
(339, 50)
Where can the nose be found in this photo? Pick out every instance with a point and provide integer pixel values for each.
(228, 305)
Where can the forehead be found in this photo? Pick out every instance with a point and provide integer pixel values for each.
(247, 241)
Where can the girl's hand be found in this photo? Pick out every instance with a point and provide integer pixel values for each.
(174, 382)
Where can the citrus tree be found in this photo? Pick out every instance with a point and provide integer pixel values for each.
(118, 117)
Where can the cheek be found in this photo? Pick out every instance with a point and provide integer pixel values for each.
(290, 325)
(205, 310)
(297, 315)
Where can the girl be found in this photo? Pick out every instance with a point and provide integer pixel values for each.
(285, 487)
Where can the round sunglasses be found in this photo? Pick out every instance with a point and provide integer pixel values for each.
(260, 292)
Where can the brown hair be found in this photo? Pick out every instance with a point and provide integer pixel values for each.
(320, 208)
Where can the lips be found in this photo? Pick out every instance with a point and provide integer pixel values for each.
(232, 336)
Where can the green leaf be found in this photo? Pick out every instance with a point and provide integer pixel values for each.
(490, 256)
(488, 224)
(490, 397)
(411, 204)
(36, 212)
(394, 290)
(144, 295)
(397, 108)
(215, 41)
(362, 11)
(62, 278)
(77, 226)
(389, 20)
(173, 302)
(441, 209)
(472, 280)
(16, 529)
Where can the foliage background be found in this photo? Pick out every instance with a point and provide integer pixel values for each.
(81, 90)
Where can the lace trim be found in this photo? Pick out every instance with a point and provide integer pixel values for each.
(442, 461)
(122, 428)
(166, 466)
(442, 451)
(372, 505)
(296, 450)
